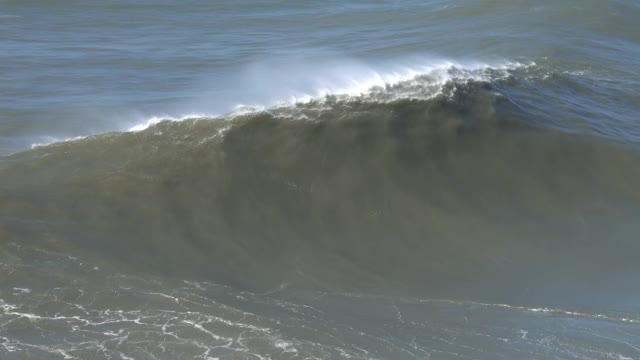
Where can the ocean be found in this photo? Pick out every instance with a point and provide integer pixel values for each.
(439, 179)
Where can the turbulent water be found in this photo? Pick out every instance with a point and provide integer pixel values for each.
(298, 180)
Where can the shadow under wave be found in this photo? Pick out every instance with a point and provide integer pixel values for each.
(453, 196)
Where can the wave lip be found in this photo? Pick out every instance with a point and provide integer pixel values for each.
(322, 89)
(370, 83)
(415, 82)
(48, 140)
(157, 119)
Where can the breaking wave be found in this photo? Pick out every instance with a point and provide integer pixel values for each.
(423, 180)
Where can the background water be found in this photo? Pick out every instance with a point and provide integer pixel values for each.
(368, 180)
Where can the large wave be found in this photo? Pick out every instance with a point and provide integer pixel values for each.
(441, 183)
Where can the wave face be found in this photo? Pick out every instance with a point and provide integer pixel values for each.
(407, 188)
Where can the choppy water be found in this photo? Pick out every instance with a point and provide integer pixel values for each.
(287, 180)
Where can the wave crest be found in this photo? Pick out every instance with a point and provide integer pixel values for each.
(400, 83)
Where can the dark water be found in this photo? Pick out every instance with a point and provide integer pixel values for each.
(286, 180)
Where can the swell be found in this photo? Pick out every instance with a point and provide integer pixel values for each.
(451, 193)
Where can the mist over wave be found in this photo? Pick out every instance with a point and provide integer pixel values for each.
(277, 83)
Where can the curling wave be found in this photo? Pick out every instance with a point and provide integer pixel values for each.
(444, 178)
